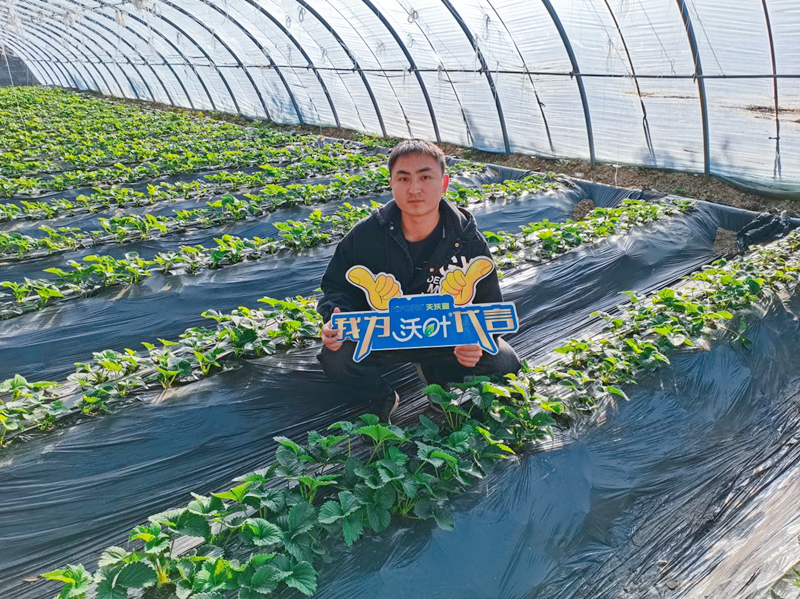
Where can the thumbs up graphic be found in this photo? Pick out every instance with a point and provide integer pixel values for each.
(379, 289)
(461, 285)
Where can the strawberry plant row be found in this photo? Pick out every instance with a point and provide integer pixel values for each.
(544, 239)
(343, 186)
(284, 518)
(109, 271)
(123, 229)
(99, 271)
(175, 154)
(106, 271)
(113, 376)
(173, 164)
(70, 127)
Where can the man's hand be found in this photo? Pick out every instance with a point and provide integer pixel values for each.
(468, 355)
(461, 285)
(331, 338)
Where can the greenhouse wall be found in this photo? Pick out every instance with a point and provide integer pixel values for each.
(703, 86)
(14, 71)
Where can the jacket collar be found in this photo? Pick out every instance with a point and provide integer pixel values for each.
(458, 222)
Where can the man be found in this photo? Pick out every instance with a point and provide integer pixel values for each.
(417, 243)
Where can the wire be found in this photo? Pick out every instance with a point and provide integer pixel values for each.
(4, 50)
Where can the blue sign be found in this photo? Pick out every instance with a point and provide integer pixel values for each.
(426, 321)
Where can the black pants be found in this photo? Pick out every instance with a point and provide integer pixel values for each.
(364, 380)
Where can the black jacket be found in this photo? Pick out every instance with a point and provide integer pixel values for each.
(377, 242)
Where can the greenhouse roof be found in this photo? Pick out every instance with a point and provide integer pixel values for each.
(695, 85)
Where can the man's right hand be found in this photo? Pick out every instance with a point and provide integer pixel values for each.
(331, 338)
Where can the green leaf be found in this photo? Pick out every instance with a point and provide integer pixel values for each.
(106, 591)
(443, 518)
(266, 579)
(183, 589)
(616, 391)
(330, 512)
(261, 533)
(379, 433)
(438, 453)
(496, 389)
(236, 494)
(370, 419)
(352, 528)
(135, 576)
(379, 518)
(286, 442)
(193, 525)
(205, 505)
(302, 518)
(111, 556)
(303, 578)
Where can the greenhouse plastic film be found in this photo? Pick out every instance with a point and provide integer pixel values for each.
(719, 68)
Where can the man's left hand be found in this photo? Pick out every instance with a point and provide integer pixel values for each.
(468, 355)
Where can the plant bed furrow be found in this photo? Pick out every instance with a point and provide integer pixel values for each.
(310, 158)
(266, 180)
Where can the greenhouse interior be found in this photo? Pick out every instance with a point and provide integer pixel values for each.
(223, 228)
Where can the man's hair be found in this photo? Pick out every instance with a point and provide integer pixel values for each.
(421, 147)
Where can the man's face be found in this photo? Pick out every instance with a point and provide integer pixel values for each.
(417, 183)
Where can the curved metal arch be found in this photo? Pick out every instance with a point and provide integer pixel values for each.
(29, 57)
(54, 63)
(23, 50)
(352, 57)
(32, 66)
(470, 137)
(577, 72)
(484, 70)
(215, 36)
(530, 78)
(169, 42)
(357, 31)
(57, 30)
(776, 170)
(411, 63)
(701, 84)
(89, 16)
(27, 60)
(305, 55)
(56, 60)
(83, 24)
(81, 43)
(310, 63)
(267, 55)
(133, 64)
(133, 87)
(645, 122)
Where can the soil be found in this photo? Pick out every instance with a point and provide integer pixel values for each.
(725, 242)
(695, 186)
(582, 208)
(689, 185)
